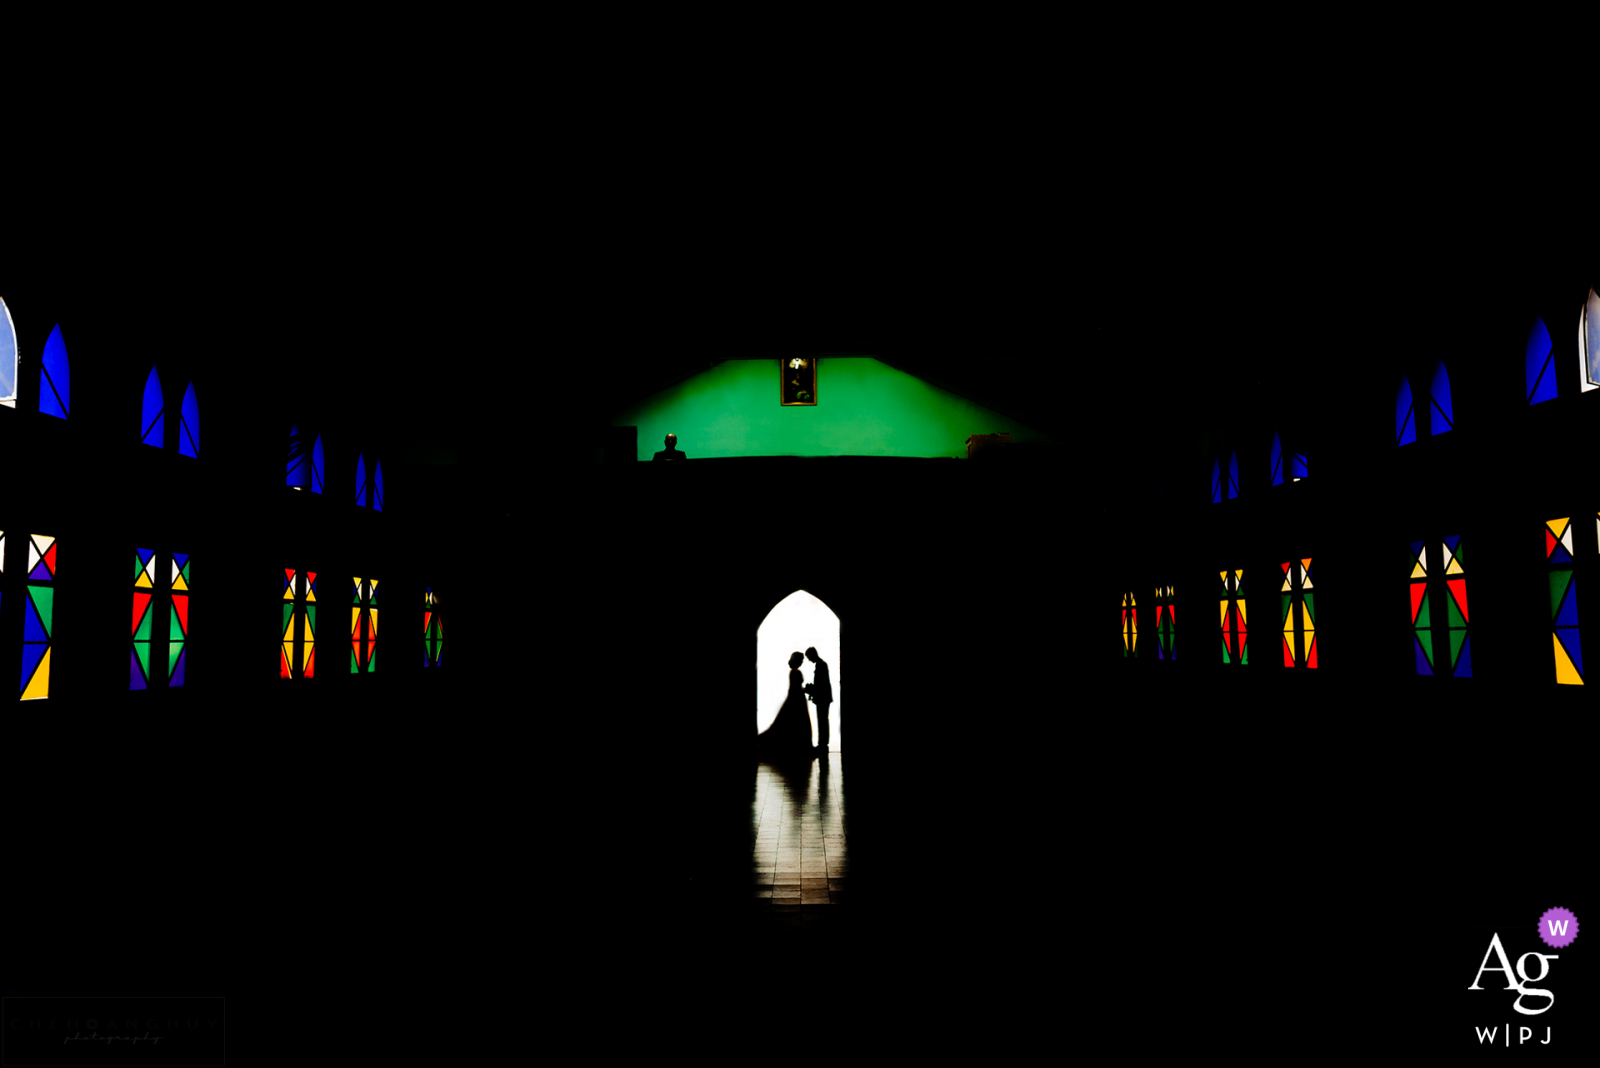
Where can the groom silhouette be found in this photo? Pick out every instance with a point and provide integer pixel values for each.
(820, 690)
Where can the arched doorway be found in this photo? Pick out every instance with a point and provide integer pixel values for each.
(797, 622)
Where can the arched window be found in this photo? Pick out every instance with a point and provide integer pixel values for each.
(369, 491)
(1296, 466)
(1405, 410)
(1588, 343)
(154, 418)
(1442, 418)
(189, 424)
(1538, 362)
(297, 472)
(54, 396)
(8, 358)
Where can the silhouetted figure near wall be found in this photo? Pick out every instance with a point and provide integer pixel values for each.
(789, 737)
(671, 451)
(821, 691)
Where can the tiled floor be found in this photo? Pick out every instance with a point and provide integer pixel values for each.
(798, 815)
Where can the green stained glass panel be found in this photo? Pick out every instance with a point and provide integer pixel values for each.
(353, 669)
(1285, 598)
(1226, 659)
(143, 633)
(174, 651)
(1426, 638)
(1244, 656)
(1310, 605)
(44, 599)
(1423, 619)
(311, 621)
(138, 566)
(184, 571)
(174, 631)
(1455, 616)
(287, 609)
(1559, 581)
(1457, 639)
(142, 650)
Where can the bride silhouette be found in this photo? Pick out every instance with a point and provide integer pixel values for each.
(789, 737)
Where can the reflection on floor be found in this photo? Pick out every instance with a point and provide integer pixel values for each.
(798, 816)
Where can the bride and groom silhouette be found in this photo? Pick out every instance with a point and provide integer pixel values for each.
(789, 737)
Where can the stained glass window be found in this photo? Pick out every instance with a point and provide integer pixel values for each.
(54, 381)
(363, 625)
(297, 472)
(1538, 362)
(1405, 412)
(298, 659)
(1298, 597)
(1295, 467)
(153, 419)
(377, 485)
(8, 358)
(432, 629)
(178, 622)
(1216, 482)
(1233, 475)
(361, 480)
(1442, 415)
(1563, 602)
(1130, 626)
(316, 465)
(144, 588)
(1440, 593)
(189, 424)
(1166, 624)
(1235, 637)
(1421, 617)
(1588, 343)
(38, 617)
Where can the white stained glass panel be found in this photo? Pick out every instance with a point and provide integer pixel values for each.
(8, 358)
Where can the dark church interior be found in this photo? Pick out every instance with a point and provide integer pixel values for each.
(578, 776)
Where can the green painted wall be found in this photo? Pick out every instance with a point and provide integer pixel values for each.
(864, 408)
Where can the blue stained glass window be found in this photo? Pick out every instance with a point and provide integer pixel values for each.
(1405, 426)
(296, 473)
(1297, 465)
(377, 485)
(361, 480)
(154, 418)
(1439, 394)
(8, 358)
(189, 424)
(316, 466)
(54, 380)
(1216, 482)
(1541, 354)
(1277, 461)
(1233, 475)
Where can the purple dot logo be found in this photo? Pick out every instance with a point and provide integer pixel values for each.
(1558, 927)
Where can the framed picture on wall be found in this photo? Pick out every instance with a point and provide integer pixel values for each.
(797, 380)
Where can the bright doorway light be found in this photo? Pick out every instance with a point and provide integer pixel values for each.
(796, 623)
